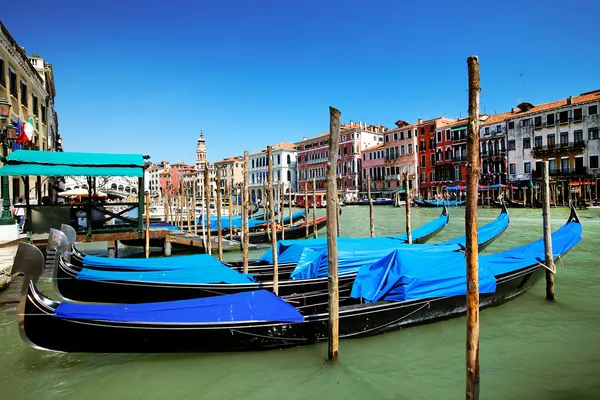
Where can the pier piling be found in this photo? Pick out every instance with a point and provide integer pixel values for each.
(245, 242)
(549, 260)
(371, 218)
(147, 244)
(314, 207)
(407, 206)
(272, 221)
(229, 196)
(290, 203)
(332, 221)
(281, 209)
(306, 209)
(219, 222)
(207, 206)
(472, 359)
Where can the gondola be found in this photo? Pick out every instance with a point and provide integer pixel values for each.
(85, 284)
(291, 232)
(381, 201)
(259, 320)
(438, 203)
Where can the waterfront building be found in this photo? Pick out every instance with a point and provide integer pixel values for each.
(492, 134)
(373, 165)
(451, 154)
(27, 83)
(563, 132)
(152, 179)
(401, 152)
(355, 137)
(232, 172)
(284, 170)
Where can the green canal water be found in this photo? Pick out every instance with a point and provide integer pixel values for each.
(530, 349)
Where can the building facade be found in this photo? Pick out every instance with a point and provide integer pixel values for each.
(27, 83)
(284, 171)
(401, 152)
(494, 162)
(373, 166)
(355, 137)
(232, 172)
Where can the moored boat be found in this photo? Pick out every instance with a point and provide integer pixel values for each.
(259, 320)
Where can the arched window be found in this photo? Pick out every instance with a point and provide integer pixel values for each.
(127, 189)
(439, 155)
(76, 187)
(252, 163)
(84, 186)
(113, 186)
(120, 188)
(448, 153)
(289, 159)
(133, 190)
(278, 159)
(289, 175)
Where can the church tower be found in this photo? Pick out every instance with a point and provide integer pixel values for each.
(201, 152)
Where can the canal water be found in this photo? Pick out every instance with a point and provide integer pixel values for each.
(530, 349)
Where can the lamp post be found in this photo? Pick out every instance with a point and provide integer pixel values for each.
(8, 135)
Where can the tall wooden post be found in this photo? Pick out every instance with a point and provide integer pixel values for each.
(230, 197)
(339, 223)
(524, 197)
(332, 221)
(306, 209)
(471, 232)
(371, 218)
(245, 232)
(314, 207)
(165, 208)
(547, 233)
(281, 211)
(147, 244)
(264, 201)
(187, 204)
(273, 230)
(194, 182)
(207, 203)
(290, 204)
(407, 206)
(219, 222)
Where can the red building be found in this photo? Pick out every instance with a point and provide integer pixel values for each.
(451, 155)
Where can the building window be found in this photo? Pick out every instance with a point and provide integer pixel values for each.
(447, 134)
(432, 159)
(563, 117)
(550, 119)
(527, 167)
(402, 150)
(498, 128)
(423, 161)
(289, 175)
(409, 134)
(2, 73)
(526, 122)
(364, 157)
(594, 161)
(577, 114)
(395, 135)
(578, 136)
(511, 125)
(526, 143)
(401, 135)
(592, 110)
(538, 142)
(593, 134)
(511, 145)
(34, 104)
(513, 168)
(422, 131)
(289, 159)
(551, 140)
(564, 164)
(387, 138)
(537, 121)
(410, 148)
(432, 176)
(439, 136)
(12, 82)
(487, 130)
(24, 94)
(44, 116)
(564, 138)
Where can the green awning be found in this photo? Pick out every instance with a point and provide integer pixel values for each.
(460, 128)
(46, 163)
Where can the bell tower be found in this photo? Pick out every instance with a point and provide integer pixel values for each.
(201, 152)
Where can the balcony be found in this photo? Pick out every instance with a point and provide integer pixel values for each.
(568, 172)
(578, 145)
(393, 177)
(448, 160)
(458, 159)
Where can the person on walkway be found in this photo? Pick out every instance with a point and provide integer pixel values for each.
(19, 213)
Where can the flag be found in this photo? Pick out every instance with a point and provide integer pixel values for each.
(28, 129)
(21, 135)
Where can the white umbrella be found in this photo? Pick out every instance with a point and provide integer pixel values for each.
(80, 192)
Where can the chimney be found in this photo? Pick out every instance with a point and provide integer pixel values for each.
(420, 121)
(569, 100)
(513, 110)
(351, 123)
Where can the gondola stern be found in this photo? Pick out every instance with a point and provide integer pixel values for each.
(573, 217)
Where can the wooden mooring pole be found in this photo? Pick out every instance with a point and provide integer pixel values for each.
(271, 201)
(314, 207)
(407, 206)
(306, 209)
(194, 183)
(219, 222)
(147, 244)
(549, 261)
(207, 205)
(290, 204)
(229, 196)
(281, 210)
(371, 218)
(245, 242)
(332, 222)
(471, 251)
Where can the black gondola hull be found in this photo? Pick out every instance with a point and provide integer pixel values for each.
(43, 330)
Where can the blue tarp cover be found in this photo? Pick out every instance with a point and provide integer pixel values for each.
(153, 264)
(440, 203)
(289, 251)
(203, 275)
(236, 221)
(259, 305)
(402, 276)
(563, 240)
(162, 225)
(356, 253)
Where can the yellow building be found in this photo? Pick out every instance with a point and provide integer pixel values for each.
(232, 172)
(27, 83)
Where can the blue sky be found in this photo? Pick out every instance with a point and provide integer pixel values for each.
(147, 78)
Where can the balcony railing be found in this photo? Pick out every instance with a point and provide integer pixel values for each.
(393, 177)
(445, 161)
(457, 159)
(573, 146)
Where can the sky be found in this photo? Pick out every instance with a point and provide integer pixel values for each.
(147, 77)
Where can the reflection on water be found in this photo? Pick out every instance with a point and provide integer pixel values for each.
(530, 349)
